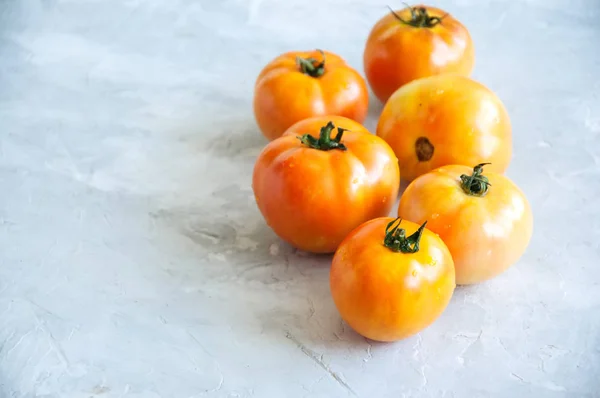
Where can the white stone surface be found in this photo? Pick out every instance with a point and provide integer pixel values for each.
(134, 262)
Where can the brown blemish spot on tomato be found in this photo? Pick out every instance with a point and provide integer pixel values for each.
(424, 149)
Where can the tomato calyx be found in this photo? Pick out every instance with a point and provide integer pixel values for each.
(325, 142)
(311, 66)
(397, 241)
(419, 17)
(476, 184)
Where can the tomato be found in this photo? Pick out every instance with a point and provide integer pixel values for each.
(484, 218)
(313, 188)
(446, 119)
(412, 43)
(391, 278)
(298, 85)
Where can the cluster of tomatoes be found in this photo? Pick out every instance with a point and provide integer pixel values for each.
(325, 184)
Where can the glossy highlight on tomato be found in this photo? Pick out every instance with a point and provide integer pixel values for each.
(446, 119)
(300, 84)
(413, 43)
(391, 278)
(323, 178)
(483, 217)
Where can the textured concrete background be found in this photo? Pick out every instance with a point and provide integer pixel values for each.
(133, 260)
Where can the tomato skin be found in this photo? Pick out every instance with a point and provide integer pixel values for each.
(461, 121)
(486, 235)
(312, 198)
(284, 95)
(397, 53)
(385, 295)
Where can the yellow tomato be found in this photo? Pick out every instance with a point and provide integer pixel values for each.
(485, 220)
(391, 278)
(446, 119)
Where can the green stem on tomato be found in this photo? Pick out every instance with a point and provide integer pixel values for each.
(311, 66)
(476, 184)
(397, 241)
(325, 142)
(419, 17)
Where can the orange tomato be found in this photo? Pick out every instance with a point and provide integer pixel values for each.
(313, 188)
(300, 84)
(391, 278)
(412, 43)
(484, 219)
(446, 119)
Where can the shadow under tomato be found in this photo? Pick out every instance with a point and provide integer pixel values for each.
(375, 106)
(375, 109)
(238, 141)
(236, 138)
(403, 185)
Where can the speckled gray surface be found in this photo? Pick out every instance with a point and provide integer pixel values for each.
(133, 260)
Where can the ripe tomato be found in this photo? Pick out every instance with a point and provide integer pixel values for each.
(313, 188)
(299, 85)
(485, 220)
(391, 278)
(446, 119)
(412, 43)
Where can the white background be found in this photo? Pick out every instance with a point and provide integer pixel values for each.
(134, 262)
